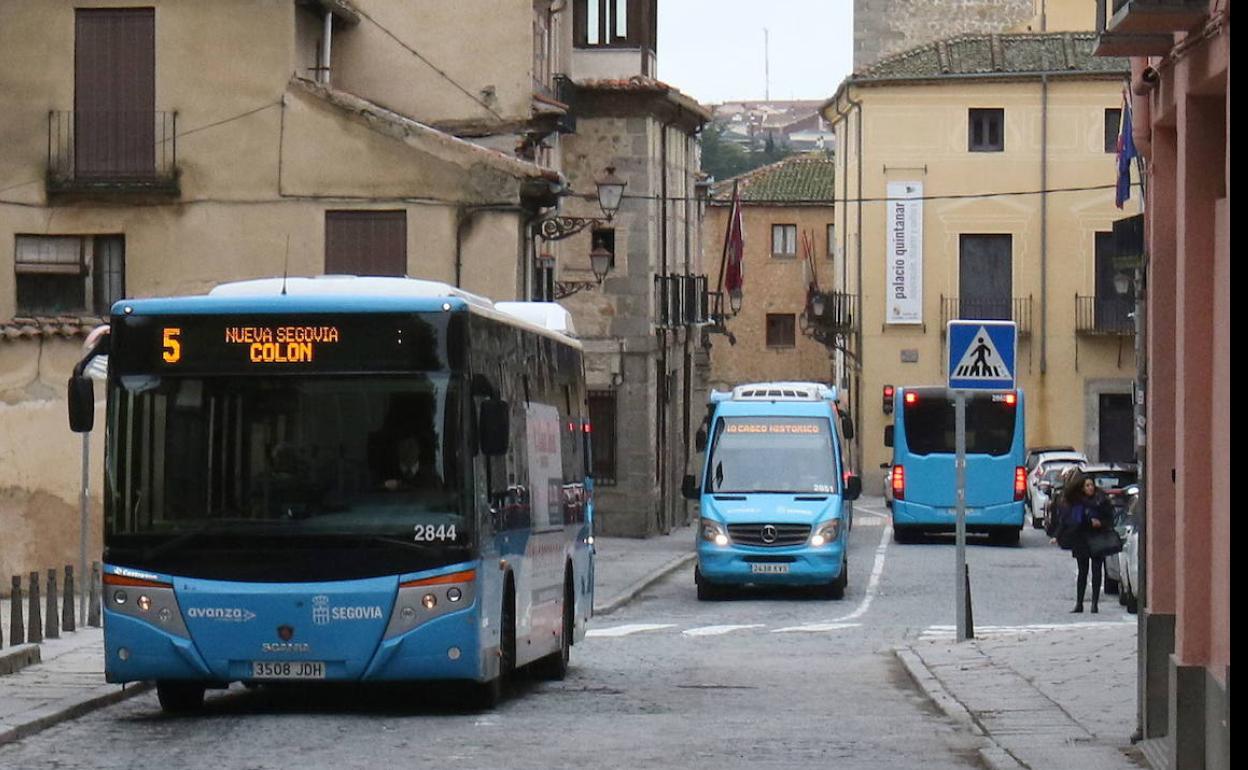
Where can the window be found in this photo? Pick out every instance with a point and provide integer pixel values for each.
(987, 130)
(832, 244)
(1113, 126)
(602, 414)
(784, 240)
(780, 330)
(366, 242)
(1113, 309)
(115, 93)
(58, 274)
(615, 23)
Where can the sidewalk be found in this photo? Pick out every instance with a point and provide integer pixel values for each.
(1058, 697)
(66, 677)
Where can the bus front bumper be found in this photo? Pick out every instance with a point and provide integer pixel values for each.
(799, 566)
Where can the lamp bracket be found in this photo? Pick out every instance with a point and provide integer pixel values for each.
(568, 288)
(558, 228)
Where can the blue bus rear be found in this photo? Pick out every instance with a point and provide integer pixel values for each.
(341, 487)
(923, 476)
(775, 500)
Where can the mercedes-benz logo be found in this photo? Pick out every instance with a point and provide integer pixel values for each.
(769, 533)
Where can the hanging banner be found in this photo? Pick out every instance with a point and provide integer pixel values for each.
(904, 261)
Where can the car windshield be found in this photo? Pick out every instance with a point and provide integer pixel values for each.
(772, 454)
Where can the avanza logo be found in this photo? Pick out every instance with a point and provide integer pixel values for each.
(226, 614)
(323, 613)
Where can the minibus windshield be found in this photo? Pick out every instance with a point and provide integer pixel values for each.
(772, 454)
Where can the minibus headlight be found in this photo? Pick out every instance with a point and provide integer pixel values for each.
(714, 532)
(826, 533)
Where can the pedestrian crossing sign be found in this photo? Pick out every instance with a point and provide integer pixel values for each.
(982, 355)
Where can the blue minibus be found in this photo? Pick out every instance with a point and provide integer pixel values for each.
(774, 492)
(923, 477)
(341, 479)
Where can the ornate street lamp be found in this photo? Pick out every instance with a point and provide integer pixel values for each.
(601, 259)
(600, 262)
(734, 300)
(610, 192)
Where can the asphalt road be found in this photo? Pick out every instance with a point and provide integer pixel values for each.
(770, 680)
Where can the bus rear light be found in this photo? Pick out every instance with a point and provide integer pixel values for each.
(1011, 399)
(912, 398)
(899, 482)
(1020, 483)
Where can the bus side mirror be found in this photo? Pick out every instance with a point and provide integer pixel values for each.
(81, 404)
(690, 488)
(853, 487)
(699, 440)
(847, 427)
(494, 425)
(888, 436)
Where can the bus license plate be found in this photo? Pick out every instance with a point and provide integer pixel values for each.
(769, 569)
(288, 669)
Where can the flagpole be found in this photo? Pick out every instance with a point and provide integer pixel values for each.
(723, 260)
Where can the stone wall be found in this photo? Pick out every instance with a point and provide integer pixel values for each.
(885, 27)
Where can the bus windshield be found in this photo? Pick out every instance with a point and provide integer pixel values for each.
(280, 478)
(930, 425)
(772, 454)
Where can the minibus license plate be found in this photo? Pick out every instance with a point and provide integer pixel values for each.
(287, 669)
(769, 569)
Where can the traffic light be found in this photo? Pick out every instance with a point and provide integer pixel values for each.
(888, 399)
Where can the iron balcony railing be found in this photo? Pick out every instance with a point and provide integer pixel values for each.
(832, 312)
(1108, 316)
(1016, 309)
(681, 300)
(112, 152)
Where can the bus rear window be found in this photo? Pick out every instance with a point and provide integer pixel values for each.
(930, 428)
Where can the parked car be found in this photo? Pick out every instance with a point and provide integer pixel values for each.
(1113, 480)
(1129, 558)
(1048, 487)
(1037, 457)
(888, 484)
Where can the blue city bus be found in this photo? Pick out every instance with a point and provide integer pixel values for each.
(341, 479)
(774, 492)
(923, 477)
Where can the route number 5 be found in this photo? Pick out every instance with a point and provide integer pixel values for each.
(172, 352)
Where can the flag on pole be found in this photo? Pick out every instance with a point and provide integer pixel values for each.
(734, 278)
(1126, 153)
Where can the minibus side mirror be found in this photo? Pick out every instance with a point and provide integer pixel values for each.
(888, 436)
(81, 404)
(847, 427)
(853, 487)
(494, 424)
(690, 488)
(699, 439)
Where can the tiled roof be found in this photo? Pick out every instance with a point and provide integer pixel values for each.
(997, 54)
(47, 326)
(809, 178)
(643, 84)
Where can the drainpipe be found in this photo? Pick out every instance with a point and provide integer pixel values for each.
(1044, 223)
(327, 37)
(856, 396)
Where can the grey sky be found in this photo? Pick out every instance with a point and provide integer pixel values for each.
(713, 49)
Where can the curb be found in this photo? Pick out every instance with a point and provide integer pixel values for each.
(53, 714)
(630, 593)
(19, 657)
(994, 755)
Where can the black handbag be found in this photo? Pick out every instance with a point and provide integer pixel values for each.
(1104, 542)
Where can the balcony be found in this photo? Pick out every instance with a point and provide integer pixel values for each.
(1144, 27)
(1017, 310)
(1104, 316)
(112, 154)
(829, 314)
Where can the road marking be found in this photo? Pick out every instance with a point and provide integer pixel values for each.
(942, 632)
(817, 627)
(877, 569)
(632, 628)
(869, 522)
(718, 630)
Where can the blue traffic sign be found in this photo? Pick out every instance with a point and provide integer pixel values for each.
(982, 355)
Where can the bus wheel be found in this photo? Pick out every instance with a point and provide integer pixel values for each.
(903, 534)
(707, 592)
(554, 667)
(180, 697)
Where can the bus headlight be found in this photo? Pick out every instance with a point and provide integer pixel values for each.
(714, 532)
(826, 533)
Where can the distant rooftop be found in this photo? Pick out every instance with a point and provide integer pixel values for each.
(807, 179)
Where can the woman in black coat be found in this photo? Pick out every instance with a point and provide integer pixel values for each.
(1084, 509)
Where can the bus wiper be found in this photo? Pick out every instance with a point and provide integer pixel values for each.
(215, 527)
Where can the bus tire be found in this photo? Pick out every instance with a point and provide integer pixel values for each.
(554, 667)
(486, 695)
(903, 534)
(707, 592)
(836, 589)
(180, 697)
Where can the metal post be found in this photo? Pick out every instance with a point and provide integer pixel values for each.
(84, 518)
(17, 626)
(68, 622)
(34, 629)
(960, 582)
(52, 625)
